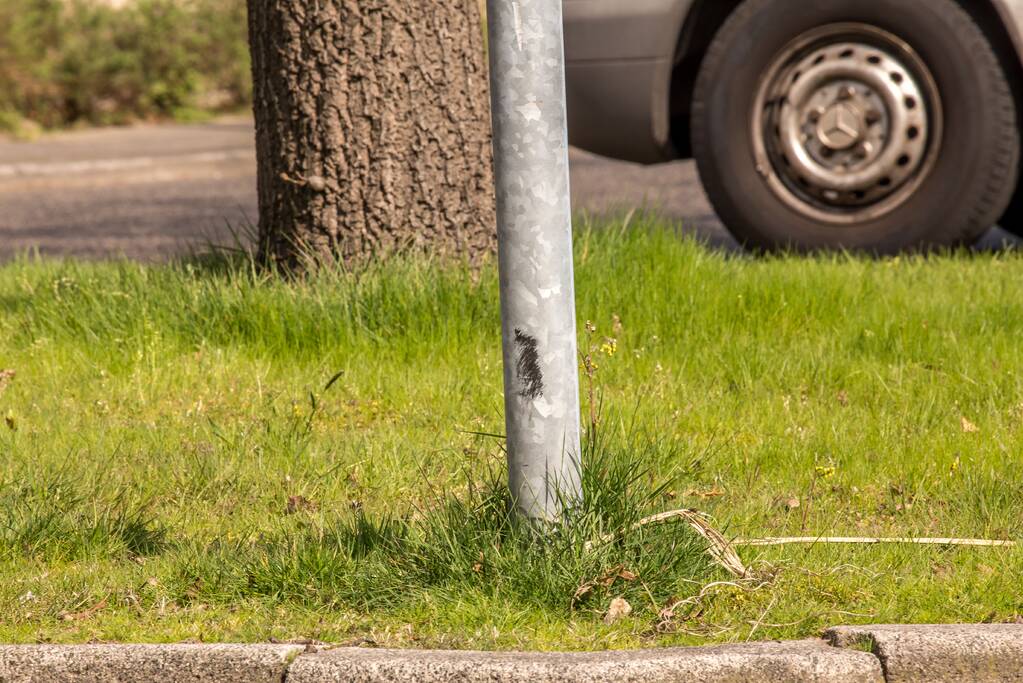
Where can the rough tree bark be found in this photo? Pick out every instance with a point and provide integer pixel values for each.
(372, 128)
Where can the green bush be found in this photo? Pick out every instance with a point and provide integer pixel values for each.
(69, 61)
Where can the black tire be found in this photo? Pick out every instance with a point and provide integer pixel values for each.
(1012, 221)
(974, 169)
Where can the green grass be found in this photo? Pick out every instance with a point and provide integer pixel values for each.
(174, 468)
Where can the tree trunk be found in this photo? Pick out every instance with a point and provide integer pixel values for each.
(372, 129)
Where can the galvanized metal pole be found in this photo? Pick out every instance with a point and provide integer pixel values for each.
(541, 372)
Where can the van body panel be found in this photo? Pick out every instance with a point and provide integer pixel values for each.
(620, 56)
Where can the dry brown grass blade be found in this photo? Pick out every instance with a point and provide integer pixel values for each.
(810, 540)
(723, 550)
(86, 614)
(718, 546)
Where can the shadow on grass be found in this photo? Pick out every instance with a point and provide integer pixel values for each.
(467, 545)
(53, 517)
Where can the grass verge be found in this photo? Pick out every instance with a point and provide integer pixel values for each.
(173, 468)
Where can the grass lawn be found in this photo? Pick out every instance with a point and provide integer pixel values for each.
(174, 468)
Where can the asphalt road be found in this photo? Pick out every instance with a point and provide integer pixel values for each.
(152, 191)
(148, 192)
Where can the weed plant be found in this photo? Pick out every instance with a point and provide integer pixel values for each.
(469, 545)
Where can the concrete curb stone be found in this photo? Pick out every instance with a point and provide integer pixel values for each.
(897, 654)
(149, 663)
(983, 653)
(809, 661)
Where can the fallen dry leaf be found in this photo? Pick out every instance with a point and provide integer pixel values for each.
(667, 613)
(605, 581)
(5, 378)
(969, 427)
(843, 398)
(581, 592)
(619, 572)
(300, 504)
(792, 503)
(619, 609)
(192, 592)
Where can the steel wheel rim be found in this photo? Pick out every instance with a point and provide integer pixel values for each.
(847, 123)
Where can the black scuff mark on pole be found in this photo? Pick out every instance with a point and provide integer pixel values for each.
(528, 366)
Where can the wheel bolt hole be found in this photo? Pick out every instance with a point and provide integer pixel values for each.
(795, 76)
(885, 182)
(913, 133)
(903, 160)
(819, 60)
(846, 54)
(910, 103)
(874, 59)
(859, 195)
(897, 77)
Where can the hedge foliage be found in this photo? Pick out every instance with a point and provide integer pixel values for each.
(64, 62)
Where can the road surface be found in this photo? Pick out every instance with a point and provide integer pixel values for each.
(152, 191)
(148, 192)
